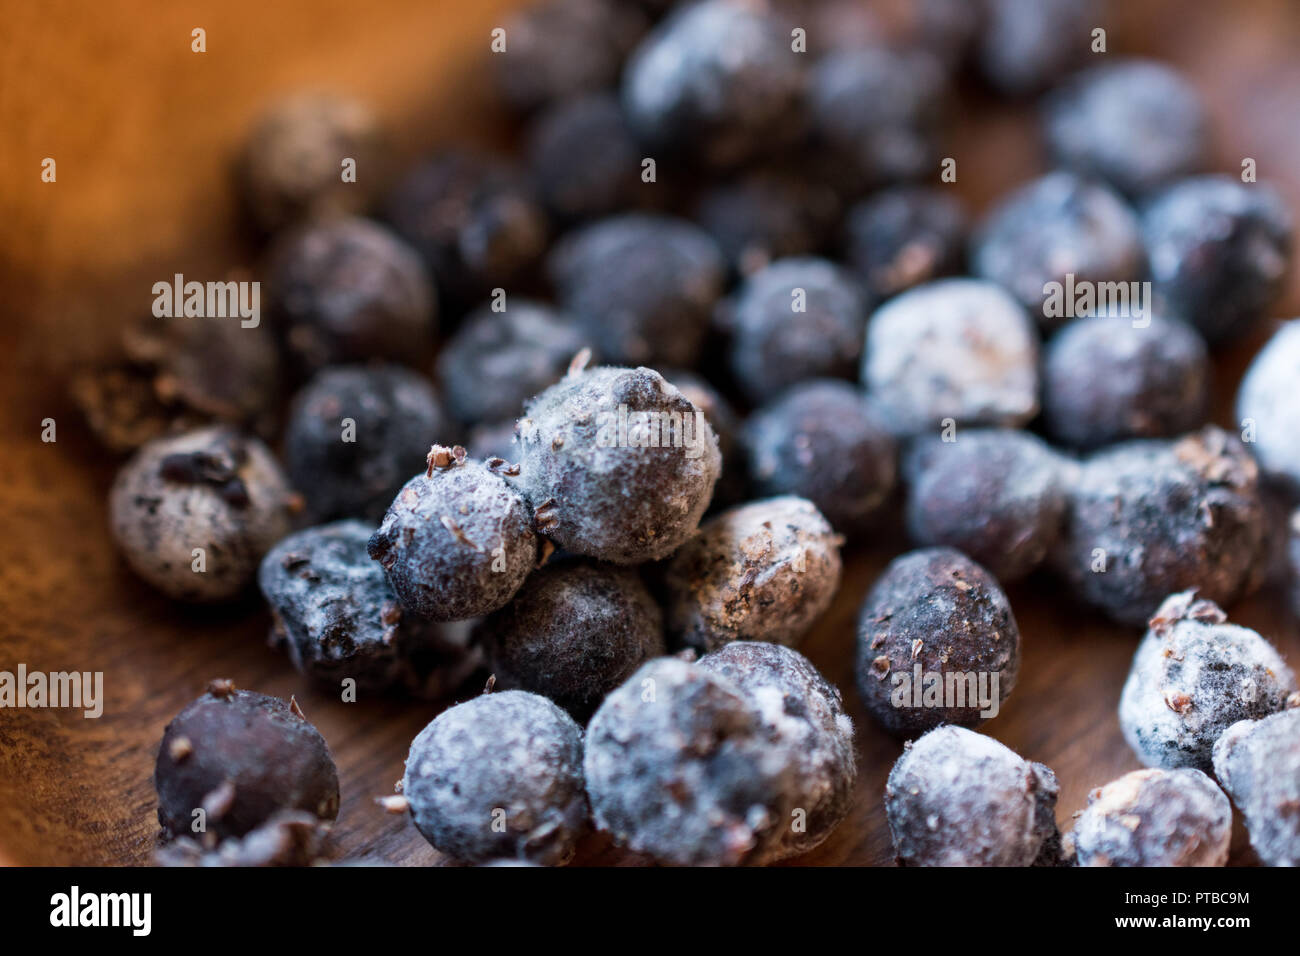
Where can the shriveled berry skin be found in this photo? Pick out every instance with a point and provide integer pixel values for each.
(1136, 123)
(680, 766)
(584, 161)
(1058, 225)
(509, 758)
(337, 617)
(1024, 46)
(763, 571)
(496, 361)
(823, 441)
(290, 167)
(806, 716)
(456, 542)
(1155, 818)
(1269, 400)
(938, 610)
(473, 218)
(767, 214)
(599, 483)
(576, 630)
(1193, 676)
(1220, 251)
(958, 798)
(1258, 763)
(395, 416)
(1106, 379)
(795, 320)
(959, 349)
(639, 286)
(1161, 517)
(905, 236)
(997, 495)
(241, 757)
(877, 111)
(562, 48)
(180, 373)
(348, 289)
(214, 489)
(287, 838)
(717, 81)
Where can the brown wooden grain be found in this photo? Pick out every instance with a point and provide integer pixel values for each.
(143, 131)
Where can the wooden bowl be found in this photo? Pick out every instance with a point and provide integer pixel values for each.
(143, 131)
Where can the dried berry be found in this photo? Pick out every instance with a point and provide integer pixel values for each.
(1024, 46)
(766, 214)
(876, 111)
(996, 495)
(823, 441)
(575, 631)
(1147, 519)
(194, 513)
(640, 287)
(617, 463)
(1274, 561)
(1060, 230)
(499, 776)
(958, 798)
(795, 320)
(733, 483)
(457, 540)
(764, 571)
(292, 166)
(1193, 676)
(355, 434)
(287, 838)
(584, 160)
(937, 643)
(348, 289)
(681, 766)
(240, 757)
(1154, 818)
(474, 220)
(1258, 763)
(1219, 251)
(1136, 123)
(496, 361)
(1268, 406)
(718, 81)
(905, 236)
(1109, 377)
(560, 48)
(806, 716)
(181, 373)
(337, 617)
(959, 351)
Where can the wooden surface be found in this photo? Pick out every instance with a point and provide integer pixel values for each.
(143, 131)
